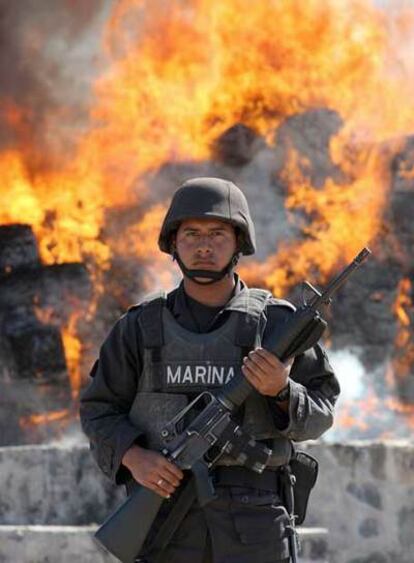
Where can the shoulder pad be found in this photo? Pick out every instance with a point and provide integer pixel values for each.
(133, 307)
(281, 303)
(149, 298)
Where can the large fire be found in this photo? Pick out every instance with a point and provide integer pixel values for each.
(177, 76)
(404, 339)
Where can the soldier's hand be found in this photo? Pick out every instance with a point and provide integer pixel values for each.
(152, 470)
(266, 372)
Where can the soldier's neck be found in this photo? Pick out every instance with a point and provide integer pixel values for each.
(212, 295)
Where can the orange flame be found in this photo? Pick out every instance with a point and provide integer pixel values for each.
(404, 343)
(71, 342)
(44, 418)
(402, 303)
(179, 75)
(180, 62)
(73, 349)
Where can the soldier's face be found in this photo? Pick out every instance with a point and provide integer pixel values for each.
(205, 244)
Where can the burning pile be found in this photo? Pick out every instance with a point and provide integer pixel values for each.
(306, 106)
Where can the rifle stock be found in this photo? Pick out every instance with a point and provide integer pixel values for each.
(123, 533)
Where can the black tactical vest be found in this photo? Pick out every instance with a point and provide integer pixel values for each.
(179, 363)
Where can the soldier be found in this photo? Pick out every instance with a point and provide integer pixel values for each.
(167, 349)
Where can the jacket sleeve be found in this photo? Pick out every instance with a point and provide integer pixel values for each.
(106, 401)
(313, 391)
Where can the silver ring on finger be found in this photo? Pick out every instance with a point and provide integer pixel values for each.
(159, 482)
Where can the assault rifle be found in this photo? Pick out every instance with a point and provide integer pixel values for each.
(124, 532)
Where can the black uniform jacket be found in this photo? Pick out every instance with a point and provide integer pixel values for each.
(106, 402)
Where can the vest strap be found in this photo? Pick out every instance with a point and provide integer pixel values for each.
(253, 301)
(150, 321)
(151, 325)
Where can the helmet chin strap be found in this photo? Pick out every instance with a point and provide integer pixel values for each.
(209, 275)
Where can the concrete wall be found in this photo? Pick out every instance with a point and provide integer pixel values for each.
(54, 486)
(364, 495)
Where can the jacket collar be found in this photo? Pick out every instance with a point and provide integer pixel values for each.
(179, 305)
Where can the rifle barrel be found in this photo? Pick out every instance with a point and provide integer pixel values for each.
(336, 283)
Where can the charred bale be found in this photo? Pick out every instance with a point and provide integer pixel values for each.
(18, 248)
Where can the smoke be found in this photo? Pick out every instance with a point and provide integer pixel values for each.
(365, 408)
(351, 374)
(71, 437)
(49, 51)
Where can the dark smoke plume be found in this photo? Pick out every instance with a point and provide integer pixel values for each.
(49, 51)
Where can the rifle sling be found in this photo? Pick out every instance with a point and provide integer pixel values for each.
(173, 520)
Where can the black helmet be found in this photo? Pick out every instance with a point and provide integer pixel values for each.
(212, 198)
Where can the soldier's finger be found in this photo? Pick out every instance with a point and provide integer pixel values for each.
(160, 491)
(173, 470)
(163, 465)
(274, 360)
(154, 487)
(257, 371)
(163, 487)
(170, 477)
(251, 376)
(259, 362)
(162, 479)
(268, 357)
(248, 369)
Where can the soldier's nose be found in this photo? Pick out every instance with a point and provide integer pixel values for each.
(204, 244)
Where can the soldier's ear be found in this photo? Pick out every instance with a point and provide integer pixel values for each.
(240, 239)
